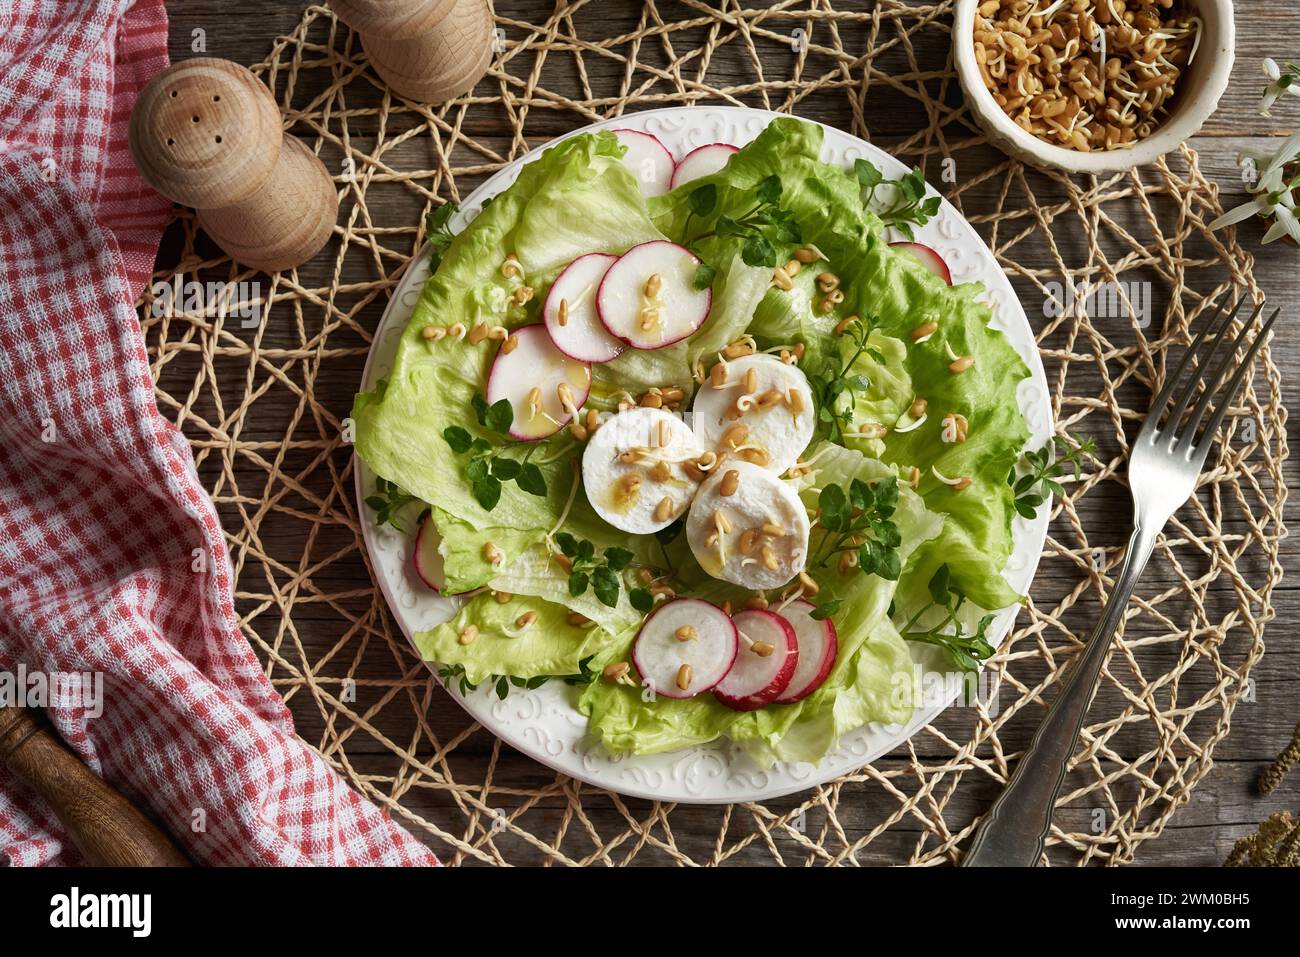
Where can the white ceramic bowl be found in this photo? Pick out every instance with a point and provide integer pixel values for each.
(1199, 90)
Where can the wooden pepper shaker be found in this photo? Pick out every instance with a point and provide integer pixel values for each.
(206, 133)
(108, 829)
(429, 51)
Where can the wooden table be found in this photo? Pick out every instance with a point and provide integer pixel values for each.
(1224, 806)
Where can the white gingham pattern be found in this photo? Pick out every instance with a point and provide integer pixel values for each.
(101, 510)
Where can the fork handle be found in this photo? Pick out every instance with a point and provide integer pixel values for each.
(1014, 831)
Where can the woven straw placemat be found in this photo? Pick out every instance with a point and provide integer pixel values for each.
(263, 398)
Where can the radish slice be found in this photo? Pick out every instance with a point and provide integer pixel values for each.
(579, 334)
(930, 259)
(648, 159)
(765, 662)
(647, 313)
(698, 658)
(531, 377)
(702, 161)
(425, 557)
(818, 647)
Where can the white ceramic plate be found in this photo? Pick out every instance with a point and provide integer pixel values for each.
(544, 723)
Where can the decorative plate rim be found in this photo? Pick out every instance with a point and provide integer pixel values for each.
(543, 723)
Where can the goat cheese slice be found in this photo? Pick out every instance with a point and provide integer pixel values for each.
(632, 469)
(756, 536)
(771, 400)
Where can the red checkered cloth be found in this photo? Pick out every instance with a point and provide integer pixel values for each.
(103, 520)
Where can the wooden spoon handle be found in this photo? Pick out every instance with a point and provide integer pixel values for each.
(107, 828)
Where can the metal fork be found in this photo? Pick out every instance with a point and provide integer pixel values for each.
(1162, 475)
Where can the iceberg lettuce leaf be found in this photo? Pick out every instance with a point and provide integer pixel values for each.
(549, 646)
(576, 198)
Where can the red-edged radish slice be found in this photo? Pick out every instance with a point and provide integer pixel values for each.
(930, 259)
(702, 161)
(532, 376)
(818, 647)
(765, 661)
(648, 159)
(570, 311)
(425, 557)
(684, 647)
(648, 298)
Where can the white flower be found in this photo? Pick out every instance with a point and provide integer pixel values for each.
(1280, 82)
(1259, 206)
(1284, 224)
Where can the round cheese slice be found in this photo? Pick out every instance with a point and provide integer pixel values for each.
(632, 469)
(770, 400)
(755, 537)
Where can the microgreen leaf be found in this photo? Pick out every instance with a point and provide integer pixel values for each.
(605, 583)
(641, 598)
(869, 175)
(757, 251)
(500, 416)
(768, 190)
(836, 386)
(388, 502)
(487, 491)
(458, 439)
(826, 609)
(858, 521)
(568, 544)
(531, 480)
(506, 469)
(438, 233)
(763, 227)
(703, 200)
(1043, 469)
(964, 650)
(703, 277)
(618, 558)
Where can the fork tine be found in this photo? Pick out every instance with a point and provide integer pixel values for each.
(1187, 435)
(1234, 385)
(1202, 356)
(1152, 422)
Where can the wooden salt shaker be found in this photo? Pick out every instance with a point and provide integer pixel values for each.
(206, 133)
(429, 51)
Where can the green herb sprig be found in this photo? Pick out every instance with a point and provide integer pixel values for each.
(455, 674)
(966, 651)
(388, 502)
(861, 520)
(501, 683)
(839, 382)
(1045, 466)
(438, 233)
(826, 609)
(765, 227)
(601, 575)
(487, 468)
(911, 206)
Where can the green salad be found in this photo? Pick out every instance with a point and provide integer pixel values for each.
(713, 457)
